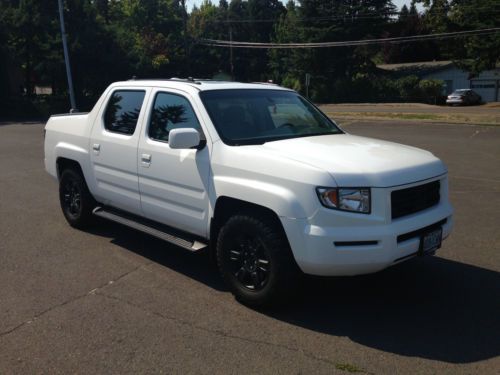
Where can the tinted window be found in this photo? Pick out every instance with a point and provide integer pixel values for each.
(170, 111)
(123, 111)
(253, 116)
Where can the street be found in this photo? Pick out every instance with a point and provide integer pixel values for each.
(112, 300)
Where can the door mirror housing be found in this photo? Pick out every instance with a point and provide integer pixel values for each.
(184, 138)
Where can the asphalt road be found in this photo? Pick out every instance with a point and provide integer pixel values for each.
(111, 300)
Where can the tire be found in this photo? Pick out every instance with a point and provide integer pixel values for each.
(76, 201)
(255, 260)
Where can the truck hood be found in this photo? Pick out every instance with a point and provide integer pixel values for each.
(358, 161)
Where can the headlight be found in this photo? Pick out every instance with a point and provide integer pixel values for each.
(345, 199)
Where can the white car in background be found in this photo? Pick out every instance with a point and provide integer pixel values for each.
(463, 97)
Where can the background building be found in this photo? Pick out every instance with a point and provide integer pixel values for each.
(486, 84)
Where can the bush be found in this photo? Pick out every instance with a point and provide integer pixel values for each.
(292, 83)
(431, 90)
(371, 88)
(319, 92)
(407, 88)
(40, 107)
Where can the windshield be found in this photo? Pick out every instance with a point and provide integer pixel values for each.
(253, 116)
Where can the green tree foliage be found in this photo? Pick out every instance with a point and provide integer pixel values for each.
(472, 53)
(479, 52)
(288, 66)
(30, 39)
(112, 40)
(4, 55)
(209, 21)
(410, 22)
(322, 21)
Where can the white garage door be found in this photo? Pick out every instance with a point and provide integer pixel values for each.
(484, 88)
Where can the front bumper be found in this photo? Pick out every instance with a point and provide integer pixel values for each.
(334, 243)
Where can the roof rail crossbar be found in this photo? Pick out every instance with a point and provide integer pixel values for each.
(175, 79)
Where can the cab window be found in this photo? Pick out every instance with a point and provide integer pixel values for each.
(170, 111)
(122, 111)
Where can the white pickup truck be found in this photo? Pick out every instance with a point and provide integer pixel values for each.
(254, 173)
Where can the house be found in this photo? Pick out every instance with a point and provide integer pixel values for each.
(486, 84)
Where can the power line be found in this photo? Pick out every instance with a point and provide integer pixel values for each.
(365, 42)
(356, 16)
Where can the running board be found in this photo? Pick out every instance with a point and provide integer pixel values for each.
(149, 228)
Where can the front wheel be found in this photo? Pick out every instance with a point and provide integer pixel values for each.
(76, 201)
(255, 260)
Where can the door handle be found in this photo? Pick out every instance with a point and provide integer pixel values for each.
(96, 147)
(146, 160)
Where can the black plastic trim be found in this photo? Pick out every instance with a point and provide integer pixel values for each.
(417, 233)
(355, 243)
(414, 199)
(412, 255)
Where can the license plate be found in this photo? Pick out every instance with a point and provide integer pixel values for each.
(431, 241)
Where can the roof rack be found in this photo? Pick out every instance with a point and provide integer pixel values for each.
(265, 83)
(188, 80)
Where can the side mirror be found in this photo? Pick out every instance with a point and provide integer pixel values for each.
(184, 138)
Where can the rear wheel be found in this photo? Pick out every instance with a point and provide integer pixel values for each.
(76, 201)
(255, 260)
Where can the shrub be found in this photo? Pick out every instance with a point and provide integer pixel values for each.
(431, 90)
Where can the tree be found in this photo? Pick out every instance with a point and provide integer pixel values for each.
(4, 57)
(30, 39)
(323, 21)
(479, 52)
(472, 53)
(209, 21)
(410, 23)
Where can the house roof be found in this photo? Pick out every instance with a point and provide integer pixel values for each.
(416, 66)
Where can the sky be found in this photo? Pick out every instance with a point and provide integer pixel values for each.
(398, 3)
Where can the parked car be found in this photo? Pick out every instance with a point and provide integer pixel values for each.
(463, 97)
(253, 173)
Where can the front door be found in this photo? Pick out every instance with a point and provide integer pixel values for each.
(173, 183)
(113, 148)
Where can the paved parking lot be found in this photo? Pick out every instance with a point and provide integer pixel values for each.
(111, 300)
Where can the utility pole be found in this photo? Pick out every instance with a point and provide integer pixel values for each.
(308, 82)
(184, 26)
(231, 51)
(66, 59)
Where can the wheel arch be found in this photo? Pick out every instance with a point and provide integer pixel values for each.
(63, 163)
(225, 207)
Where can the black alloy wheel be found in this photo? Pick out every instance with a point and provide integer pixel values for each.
(249, 262)
(76, 201)
(255, 259)
(72, 197)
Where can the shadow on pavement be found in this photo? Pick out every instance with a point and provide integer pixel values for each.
(197, 266)
(28, 122)
(429, 307)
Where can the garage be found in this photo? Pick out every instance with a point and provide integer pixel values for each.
(486, 83)
(488, 89)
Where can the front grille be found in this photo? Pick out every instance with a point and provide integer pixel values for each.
(408, 201)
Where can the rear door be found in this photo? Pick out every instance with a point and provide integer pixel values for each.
(173, 183)
(113, 146)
